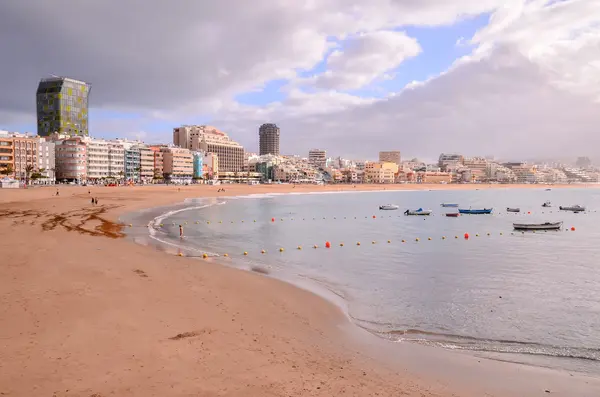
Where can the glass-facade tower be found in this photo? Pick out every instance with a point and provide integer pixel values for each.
(62, 106)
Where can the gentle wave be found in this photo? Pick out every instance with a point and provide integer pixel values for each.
(154, 228)
(460, 342)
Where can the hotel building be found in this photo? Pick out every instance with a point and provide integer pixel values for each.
(158, 161)
(62, 106)
(268, 135)
(209, 139)
(390, 157)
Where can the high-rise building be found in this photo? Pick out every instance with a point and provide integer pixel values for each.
(390, 157)
(116, 160)
(62, 106)
(178, 163)
(268, 136)
(317, 157)
(98, 163)
(208, 139)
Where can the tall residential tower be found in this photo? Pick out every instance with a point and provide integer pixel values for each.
(62, 106)
(268, 139)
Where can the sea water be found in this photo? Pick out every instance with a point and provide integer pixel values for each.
(525, 297)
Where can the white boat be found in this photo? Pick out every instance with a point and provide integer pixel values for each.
(547, 204)
(420, 211)
(508, 209)
(538, 226)
(388, 207)
(574, 208)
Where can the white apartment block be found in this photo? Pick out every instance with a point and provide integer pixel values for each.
(116, 160)
(47, 161)
(317, 157)
(97, 158)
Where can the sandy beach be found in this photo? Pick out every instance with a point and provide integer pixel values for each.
(86, 312)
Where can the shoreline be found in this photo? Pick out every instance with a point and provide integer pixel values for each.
(302, 321)
(327, 292)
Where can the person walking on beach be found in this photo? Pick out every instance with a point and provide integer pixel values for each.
(96, 201)
(180, 231)
(93, 201)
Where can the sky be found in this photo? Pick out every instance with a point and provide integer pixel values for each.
(514, 79)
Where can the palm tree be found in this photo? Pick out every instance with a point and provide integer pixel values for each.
(7, 170)
(28, 171)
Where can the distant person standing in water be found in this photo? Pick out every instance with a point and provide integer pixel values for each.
(180, 231)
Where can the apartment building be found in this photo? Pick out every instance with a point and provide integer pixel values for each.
(132, 163)
(71, 160)
(268, 136)
(158, 161)
(146, 163)
(380, 172)
(178, 163)
(7, 155)
(98, 163)
(317, 157)
(209, 139)
(116, 160)
(47, 161)
(390, 157)
(198, 165)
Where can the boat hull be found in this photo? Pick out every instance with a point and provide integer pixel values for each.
(540, 226)
(476, 212)
(388, 208)
(572, 209)
(425, 213)
(453, 215)
(449, 205)
(513, 210)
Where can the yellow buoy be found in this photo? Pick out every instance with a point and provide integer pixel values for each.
(180, 254)
(389, 241)
(429, 238)
(161, 225)
(255, 220)
(299, 247)
(315, 246)
(263, 251)
(358, 243)
(501, 233)
(242, 221)
(455, 236)
(443, 237)
(403, 241)
(477, 235)
(488, 234)
(220, 221)
(417, 239)
(130, 225)
(372, 242)
(245, 253)
(281, 250)
(205, 256)
(341, 244)
(196, 222)
(225, 255)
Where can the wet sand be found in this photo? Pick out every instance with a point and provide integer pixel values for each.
(85, 312)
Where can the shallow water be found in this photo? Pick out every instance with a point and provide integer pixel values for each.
(531, 298)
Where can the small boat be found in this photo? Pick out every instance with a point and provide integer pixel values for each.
(573, 208)
(388, 207)
(476, 212)
(548, 190)
(449, 205)
(547, 204)
(508, 209)
(452, 214)
(420, 211)
(538, 226)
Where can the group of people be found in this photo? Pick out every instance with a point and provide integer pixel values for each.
(221, 190)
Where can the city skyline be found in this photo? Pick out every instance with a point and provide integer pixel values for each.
(467, 77)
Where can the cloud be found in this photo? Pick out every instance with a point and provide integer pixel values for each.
(529, 87)
(502, 104)
(365, 58)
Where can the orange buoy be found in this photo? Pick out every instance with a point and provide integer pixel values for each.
(272, 219)
(528, 212)
(467, 235)
(572, 228)
(327, 244)
(374, 217)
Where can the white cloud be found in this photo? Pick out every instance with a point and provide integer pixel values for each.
(365, 58)
(527, 89)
